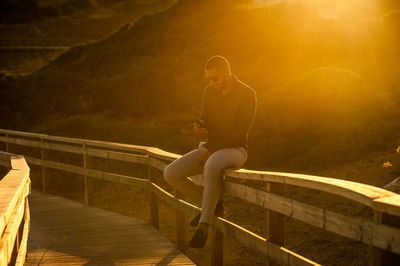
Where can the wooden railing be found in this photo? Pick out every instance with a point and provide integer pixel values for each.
(14, 210)
(382, 233)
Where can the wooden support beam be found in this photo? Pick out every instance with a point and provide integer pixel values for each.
(88, 181)
(383, 257)
(152, 175)
(275, 221)
(180, 225)
(217, 237)
(44, 157)
(7, 147)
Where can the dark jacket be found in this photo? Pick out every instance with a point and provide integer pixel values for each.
(228, 118)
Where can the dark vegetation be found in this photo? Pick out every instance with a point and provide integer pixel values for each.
(328, 92)
(20, 11)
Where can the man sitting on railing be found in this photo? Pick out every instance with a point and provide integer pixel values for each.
(227, 112)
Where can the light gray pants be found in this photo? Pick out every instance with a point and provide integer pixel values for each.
(177, 173)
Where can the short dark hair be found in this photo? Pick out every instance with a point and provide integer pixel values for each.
(219, 62)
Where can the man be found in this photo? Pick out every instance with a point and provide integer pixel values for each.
(227, 112)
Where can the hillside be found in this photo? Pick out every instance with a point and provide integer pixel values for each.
(326, 90)
(34, 32)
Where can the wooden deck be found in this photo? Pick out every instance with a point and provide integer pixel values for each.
(65, 232)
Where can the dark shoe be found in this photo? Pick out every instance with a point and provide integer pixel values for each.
(199, 239)
(195, 221)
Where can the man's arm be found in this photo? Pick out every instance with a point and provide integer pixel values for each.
(203, 109)
(243, 123)
(199, 126)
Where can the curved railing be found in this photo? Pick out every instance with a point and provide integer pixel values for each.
(14, 210)
(381, 232)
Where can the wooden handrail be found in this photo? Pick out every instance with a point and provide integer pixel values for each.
(362, 193)
(374, 233)
(358, 192)
(14, 209)
(156, 152)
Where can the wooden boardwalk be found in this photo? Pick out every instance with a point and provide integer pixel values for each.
(65, 232)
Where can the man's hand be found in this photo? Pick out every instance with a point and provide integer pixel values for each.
(203, 158)
(200, 130)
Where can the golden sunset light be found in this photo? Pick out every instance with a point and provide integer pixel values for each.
(200, 132)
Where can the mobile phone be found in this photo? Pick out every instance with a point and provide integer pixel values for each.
(201, 123)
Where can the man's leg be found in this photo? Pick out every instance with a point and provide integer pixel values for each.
(219, 160)
(177, 173)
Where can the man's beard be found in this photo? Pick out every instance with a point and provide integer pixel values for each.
(223, 83)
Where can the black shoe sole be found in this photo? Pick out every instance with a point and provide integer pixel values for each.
(199, 239)
(195, 221)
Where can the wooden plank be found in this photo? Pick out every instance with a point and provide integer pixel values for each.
(22, 142)
(246, 237)
(275, 221)
(358, 192)
(157, 164)
(261, 198)
(157, 153)
(178, 204)
(354, 228)
(377, 253)
(39, 136)
(383, 238)
(12, 188)
(90, 172)
(10, 234)
(65, 239)
(276, 253)
(120, 156)
(390, 205)
(43, 145)
(3, 252)
(88, 182)
(44, 156)
(18, 163)
(217, 238)
(153, 173)
(365, 194)
(180, 225)
(7, 145)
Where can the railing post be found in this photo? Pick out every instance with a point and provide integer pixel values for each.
(217, 237)
(275, 221)
(385, 257)
(87, 163)
(44, 156)
(180, 225)
(152, 175)
(7, 148)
